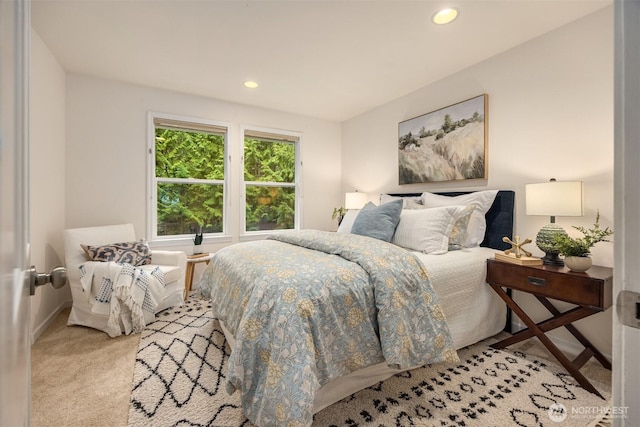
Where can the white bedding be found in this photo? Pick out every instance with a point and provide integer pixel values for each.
(472, 309)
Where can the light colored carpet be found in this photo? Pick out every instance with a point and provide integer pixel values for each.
(81, 377)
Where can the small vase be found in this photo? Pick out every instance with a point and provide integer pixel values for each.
(197, 249)
(578, 263)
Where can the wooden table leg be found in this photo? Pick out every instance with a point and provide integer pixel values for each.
(576, 333)
(562, 319)
(188, 279)
(539, 333)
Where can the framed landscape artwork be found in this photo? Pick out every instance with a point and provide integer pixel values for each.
(448, 144)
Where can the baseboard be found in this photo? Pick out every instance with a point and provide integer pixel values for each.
(569, 347)
(39, 330)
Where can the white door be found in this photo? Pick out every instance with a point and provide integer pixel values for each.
(626, 339)
(14, 290)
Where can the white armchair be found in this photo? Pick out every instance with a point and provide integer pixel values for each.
(172, 263)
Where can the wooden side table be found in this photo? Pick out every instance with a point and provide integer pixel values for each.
(192, 260)
(590, 291)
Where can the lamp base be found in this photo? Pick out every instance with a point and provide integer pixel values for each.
(552, 259)
(545, 240)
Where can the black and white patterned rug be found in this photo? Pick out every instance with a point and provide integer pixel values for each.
(179, 380)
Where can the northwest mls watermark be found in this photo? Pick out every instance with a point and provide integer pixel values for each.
(558, 412)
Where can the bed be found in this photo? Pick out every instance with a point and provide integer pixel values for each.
(313, 317)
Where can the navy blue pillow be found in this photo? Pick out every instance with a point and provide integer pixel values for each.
(379, 222)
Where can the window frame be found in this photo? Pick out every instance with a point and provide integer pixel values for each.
(297, 184)
(152, 188)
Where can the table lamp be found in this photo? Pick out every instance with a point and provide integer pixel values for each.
(553, 199)
(354, 200)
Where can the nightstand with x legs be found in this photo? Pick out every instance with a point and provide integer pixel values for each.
(590, 292)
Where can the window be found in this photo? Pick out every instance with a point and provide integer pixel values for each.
(188, 185)
(271, 180)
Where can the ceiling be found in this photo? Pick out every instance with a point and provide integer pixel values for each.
(327, 59)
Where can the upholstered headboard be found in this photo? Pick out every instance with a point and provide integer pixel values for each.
(499, 217)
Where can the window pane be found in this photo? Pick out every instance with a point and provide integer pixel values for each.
(189, 208)
(270, 208)
(269, 161)
(182, 154)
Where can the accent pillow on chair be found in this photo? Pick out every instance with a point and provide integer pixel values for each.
(134, 253)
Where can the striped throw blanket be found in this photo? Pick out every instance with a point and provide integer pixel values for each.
(128, 295)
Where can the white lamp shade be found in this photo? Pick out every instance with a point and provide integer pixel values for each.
(554, 198)
(354, 200)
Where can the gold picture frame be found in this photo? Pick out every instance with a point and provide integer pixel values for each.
(448, 144)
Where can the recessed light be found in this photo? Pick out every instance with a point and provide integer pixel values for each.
(445, 16)
(250, 84)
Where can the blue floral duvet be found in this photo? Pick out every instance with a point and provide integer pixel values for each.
(306, 307)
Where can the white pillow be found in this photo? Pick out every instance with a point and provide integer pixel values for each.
(482, 200)
(408, 202)
(426, 230)
(347, 221)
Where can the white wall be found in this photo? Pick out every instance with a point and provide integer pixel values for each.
(106, 152)
(47, 178)
(550, 115)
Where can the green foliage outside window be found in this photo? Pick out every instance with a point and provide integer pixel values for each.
(269, 207)
(186, 208)
(197, 206)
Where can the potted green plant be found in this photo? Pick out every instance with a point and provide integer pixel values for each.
(339, 214)
(576, 250)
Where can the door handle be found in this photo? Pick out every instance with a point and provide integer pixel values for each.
(57, 277)
(628, 308)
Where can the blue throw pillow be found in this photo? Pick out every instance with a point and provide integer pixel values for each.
(379, 222)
